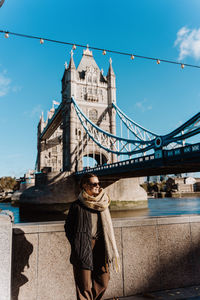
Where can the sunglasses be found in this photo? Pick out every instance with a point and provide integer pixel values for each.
(95, 184)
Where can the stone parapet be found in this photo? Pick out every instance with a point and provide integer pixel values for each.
(156, 254)
(5, 256)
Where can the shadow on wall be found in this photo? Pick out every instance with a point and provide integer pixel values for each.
(20, 259)
(172, 263)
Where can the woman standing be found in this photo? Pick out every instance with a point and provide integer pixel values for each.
(93, 248)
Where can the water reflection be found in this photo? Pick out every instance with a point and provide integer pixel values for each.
(156, 207)
(173, 206)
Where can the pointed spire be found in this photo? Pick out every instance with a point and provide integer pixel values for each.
(71, 63)
(87, 51)
(42, 122)
(110, 70)
(42, 117)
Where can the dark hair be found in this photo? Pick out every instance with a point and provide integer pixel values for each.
(86, 178)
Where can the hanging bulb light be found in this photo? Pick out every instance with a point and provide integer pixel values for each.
(104, 52)
(41, 41)
(158, 61)
(182, 66)
(6, 35)
(132, 56)
(74, 47)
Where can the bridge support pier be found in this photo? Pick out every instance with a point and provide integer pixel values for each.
(62, 188)
(125, 193)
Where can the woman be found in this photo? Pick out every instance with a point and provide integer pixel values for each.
(93, 248)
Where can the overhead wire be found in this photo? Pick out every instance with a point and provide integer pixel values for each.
(103, 50)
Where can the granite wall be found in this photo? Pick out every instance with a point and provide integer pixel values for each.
(156, 254)
(5, 256)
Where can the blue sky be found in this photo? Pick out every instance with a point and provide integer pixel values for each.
(159, 97)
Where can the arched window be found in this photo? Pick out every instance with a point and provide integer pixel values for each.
(79, 134)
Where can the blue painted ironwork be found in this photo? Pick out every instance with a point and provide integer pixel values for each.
(108, 141)
(144, 140)
(182, 159)
(137, 130)
(185, 131)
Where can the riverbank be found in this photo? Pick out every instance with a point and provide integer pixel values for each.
(185, 195)
(174, 195)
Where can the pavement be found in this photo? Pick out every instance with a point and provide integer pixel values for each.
(188, 293)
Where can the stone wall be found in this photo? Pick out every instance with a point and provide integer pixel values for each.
(156, 254)
(5, 256)
(184, 188)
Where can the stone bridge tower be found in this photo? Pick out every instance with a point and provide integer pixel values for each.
(94, 94)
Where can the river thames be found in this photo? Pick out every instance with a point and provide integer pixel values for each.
(156, 208)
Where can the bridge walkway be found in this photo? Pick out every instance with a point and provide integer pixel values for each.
(186, 293)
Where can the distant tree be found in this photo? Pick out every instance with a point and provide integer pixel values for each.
(170, 185)
(145, 186)
(7, 183)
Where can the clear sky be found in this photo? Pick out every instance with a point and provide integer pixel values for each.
(159, 97)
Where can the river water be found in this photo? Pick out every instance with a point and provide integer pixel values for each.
(156, 207)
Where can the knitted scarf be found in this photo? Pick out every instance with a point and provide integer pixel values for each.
(101, 203)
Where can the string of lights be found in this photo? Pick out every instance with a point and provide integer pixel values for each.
(104, 51)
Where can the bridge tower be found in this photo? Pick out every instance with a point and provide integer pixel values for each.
(94, 93)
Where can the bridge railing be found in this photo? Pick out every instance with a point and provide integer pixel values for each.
(182, 150)
(117, 164)
(163, 154)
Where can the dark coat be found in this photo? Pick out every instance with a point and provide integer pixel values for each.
(78, 227)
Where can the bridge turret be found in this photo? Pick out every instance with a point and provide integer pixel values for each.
(40, 128)
(69, 79)
(41, 122)
(111, 84)
(95, 94)
(69, 90)
(112, 99)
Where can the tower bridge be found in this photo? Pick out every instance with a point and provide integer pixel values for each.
(94, 94)
(88, 123)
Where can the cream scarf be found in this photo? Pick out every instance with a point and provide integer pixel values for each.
(101, 203)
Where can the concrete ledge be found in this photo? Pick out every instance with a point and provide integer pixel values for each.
(156, 254)
(57, 226)
(5, 256)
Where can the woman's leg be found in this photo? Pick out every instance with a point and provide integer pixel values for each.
(83, 283)
(100, 274)
(100, 284)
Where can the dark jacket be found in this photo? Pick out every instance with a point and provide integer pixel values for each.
(78, 231)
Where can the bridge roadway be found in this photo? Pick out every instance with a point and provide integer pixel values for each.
(180, 160)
